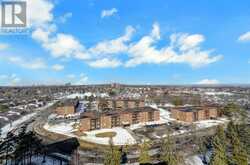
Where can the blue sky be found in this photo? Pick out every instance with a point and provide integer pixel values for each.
(134, 42)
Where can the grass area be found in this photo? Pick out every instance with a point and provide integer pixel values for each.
(79, 133)
(3, 108)
(106, 134)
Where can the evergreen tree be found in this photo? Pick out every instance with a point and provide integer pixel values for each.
(229, 110)
(169, 154)
(112, 156)
(144, 155)
(219, 153)
(177, 101)
(239, 155)
(244, 135)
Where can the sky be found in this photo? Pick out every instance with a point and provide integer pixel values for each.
(131, 42)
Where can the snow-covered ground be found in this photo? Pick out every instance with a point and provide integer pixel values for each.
(4, 118)
(218, 93)
(13, 113)
(194, 160)
(122, 136)
(9, 127)
(86, 94)
(62, 128)
(210, 123)
(79, 95)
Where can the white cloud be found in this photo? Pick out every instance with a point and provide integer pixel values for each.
(62, 45)
(244, 37)
(65, 17)
(3, 46)
(156, 31)
(108, 13)
(185, 41)
(57, 67)
(208, 82)
(105, 63)
(183, 48)
(39, 12)
(36, 63)
(113, 46)
(45, 32)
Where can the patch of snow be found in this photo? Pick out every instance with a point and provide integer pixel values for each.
(62, 128)
(194, 160)
(218, 93)
(140, 125)
(9, 127)
(14, 113)
(123, 137)
(80, 95)
(210, 123)
(169, 105)
(4, 118)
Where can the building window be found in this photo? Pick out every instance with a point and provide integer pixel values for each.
(95, 124)
(137, 104)
(150, 116)
(115, 121)
(207, 116)
(135, 118)
(126, 104)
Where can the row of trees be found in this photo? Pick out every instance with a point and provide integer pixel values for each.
(167, 155)
(20, 148)
(227, 147)
(230, 145)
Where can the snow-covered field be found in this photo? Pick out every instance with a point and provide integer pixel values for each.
(62, 128)
(122, 136)
(210, 123)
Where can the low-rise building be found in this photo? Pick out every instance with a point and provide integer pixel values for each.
(65, 110)
(120, 104)
(94, 120)
(192, 114)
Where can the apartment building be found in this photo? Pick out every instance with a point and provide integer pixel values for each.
(192, 114)
(65, 110)
(94, 120)
(120, 104)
